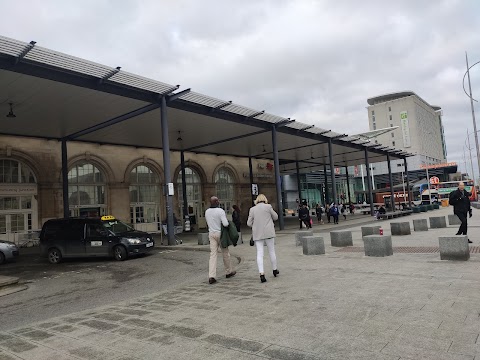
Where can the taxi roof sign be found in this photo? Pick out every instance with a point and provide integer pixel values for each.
(107, 217)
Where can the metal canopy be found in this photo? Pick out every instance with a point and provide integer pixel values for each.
(56, 96)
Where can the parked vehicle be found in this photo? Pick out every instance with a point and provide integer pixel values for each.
(8, 251)
(87, 237)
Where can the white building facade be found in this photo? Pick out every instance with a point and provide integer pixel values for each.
(419, 131)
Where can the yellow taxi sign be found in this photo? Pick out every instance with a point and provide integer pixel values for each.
(107, 217)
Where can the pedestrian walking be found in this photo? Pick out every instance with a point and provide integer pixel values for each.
(260, 219)
(334, 212)
(236, 217)
(216, 218)
(327, 212)
(304, 216)
(460, 199)
(343, 211)
(319, 213)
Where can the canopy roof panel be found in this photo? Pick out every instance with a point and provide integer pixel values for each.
(58, 96)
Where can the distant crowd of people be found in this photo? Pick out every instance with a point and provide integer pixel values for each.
(332, 212)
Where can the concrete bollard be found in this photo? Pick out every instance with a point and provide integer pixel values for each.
(378, 245)
(454, 247)
(400, 228)
(341, 238)
(420, 225)
(299, 235)
(240, 239)
(203, 239)
(313, 245)
(370, 230)
(453, 220)
(437, 222)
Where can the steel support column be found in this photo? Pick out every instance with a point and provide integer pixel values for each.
(299, 183)
(66, 205)
(250, 169)
(390, 179)
(184, 185)
(332, 170)
(278, 180)
(408, 183)
(369, 182)
(167, 171)
(327, 197)
(348, 185)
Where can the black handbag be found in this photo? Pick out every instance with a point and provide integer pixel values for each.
(252, 243)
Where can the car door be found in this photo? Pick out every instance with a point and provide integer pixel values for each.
(73, 236)
(97, 241)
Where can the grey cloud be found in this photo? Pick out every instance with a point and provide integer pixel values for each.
(316, 61)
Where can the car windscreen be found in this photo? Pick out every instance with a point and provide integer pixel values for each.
(117, 227)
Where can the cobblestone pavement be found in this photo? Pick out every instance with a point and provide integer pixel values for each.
(341, 305)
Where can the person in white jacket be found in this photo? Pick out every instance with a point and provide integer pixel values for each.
(260, 219)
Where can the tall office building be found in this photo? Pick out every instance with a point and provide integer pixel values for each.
(419, 131)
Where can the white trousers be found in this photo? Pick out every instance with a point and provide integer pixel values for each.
(259, 244)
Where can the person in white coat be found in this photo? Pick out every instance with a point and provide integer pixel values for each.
(260, 219)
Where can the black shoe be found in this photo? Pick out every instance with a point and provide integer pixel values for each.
(262, 278)
(469, 241)
(232, 274)
(276, 272)
(212, 281)
(458, 234)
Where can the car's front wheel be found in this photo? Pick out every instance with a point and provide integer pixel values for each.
(119, 253)
(54, 256)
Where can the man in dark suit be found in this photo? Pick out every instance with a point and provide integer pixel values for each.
(460, 199)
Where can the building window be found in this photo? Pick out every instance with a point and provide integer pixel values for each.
(393, 135)
(374, 126)
(390, 109)
(194, 194)
(373, 118)
(376, 141)
(144, 195)
(390, 117)
(391, 125)
(393, 143)
(225, 188)
(86, 190)
(14, 172)
(373, 112)
(16, 212)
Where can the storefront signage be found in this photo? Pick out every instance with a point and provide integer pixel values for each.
(436, 166)
(405, 129)
(21, 189)
(258, 175)
(267, 166)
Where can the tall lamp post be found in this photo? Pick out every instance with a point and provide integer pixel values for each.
(469, 94)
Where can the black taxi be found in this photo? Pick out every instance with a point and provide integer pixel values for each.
(90, 237)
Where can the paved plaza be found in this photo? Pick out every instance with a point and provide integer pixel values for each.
(341, 305)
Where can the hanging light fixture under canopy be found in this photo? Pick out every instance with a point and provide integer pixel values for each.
(10, 113)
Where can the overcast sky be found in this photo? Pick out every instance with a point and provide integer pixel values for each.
(315, 61)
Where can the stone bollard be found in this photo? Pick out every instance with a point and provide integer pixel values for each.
(378, 245)
(203, 239)
(400, 228)
(313, 245)
(370, 230)
(454, 247)
(420, 225)
(453, 220)
(341, 238)
(299, 235)
(240, 239)
(437, 222)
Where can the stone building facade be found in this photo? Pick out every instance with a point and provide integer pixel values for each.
(126, 182)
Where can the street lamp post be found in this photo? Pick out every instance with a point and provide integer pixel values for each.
(471, 106)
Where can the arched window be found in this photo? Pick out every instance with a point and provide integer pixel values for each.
(194, 194)
(225, 188)
(18, 207)
(86, 190)
(144, 197)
